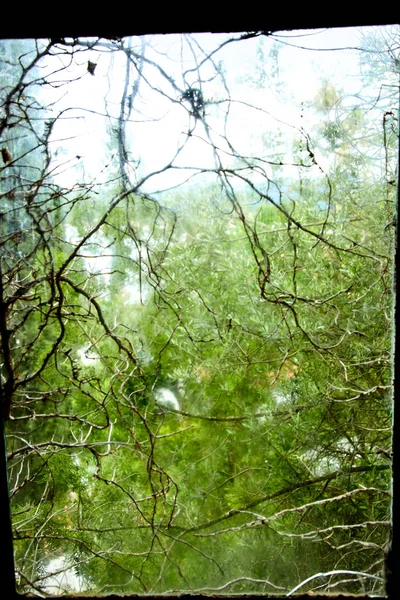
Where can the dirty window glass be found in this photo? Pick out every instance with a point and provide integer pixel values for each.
(196, 252)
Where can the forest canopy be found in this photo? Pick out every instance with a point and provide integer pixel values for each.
(196, 282)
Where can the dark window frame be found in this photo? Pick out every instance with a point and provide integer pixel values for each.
(35, 26)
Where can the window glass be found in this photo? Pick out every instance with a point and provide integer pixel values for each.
(196, 252)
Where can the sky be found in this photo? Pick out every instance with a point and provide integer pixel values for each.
(161, 126)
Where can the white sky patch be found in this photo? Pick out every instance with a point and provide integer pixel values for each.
(88, 357)
(165, 397)
(71, 234)
(61, 578)
(319, 465)
(279, 396)
(94, 253)
(136, 294)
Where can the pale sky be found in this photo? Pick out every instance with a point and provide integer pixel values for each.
(155, 141)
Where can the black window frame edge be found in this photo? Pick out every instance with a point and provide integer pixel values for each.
(114, 26)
